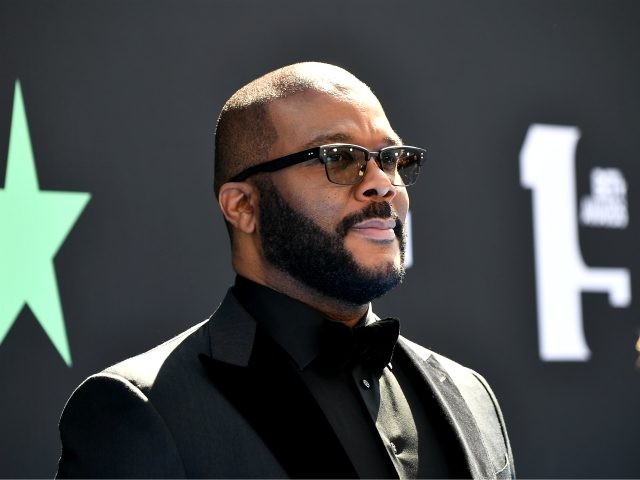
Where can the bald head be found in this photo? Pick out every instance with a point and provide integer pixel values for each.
(245, 130)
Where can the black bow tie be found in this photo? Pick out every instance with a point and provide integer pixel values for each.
(342, 347)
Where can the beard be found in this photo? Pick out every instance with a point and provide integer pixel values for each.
(296, 245)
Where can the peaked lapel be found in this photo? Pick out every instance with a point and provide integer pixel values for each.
(257, 377)
(455, 408)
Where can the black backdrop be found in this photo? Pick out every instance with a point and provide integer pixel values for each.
(121, 100)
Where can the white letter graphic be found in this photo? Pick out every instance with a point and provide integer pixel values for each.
(547, 167)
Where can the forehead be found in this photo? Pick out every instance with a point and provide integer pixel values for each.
(312, 118)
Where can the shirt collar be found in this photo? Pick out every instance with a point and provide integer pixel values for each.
(294, 325)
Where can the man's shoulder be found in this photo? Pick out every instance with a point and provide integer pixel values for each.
(462, 376)
(124, 412)
(176, 362)
(142, 370)
(473, 387)
(478, 397)
(425, 353)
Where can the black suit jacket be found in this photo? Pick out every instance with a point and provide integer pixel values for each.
(221, 400)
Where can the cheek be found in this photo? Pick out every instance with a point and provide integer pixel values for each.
(324, 210)
(321, 205)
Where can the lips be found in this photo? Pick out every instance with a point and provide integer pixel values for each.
(376, 228)
(378, 223)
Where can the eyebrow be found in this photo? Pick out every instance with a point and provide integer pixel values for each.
(339, 137)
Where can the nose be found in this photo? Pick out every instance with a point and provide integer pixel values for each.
(376, 185)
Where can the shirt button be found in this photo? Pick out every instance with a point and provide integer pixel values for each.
(366, 384)
(393, 448)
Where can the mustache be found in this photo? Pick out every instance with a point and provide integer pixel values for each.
(382, 210)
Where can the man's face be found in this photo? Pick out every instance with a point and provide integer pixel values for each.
(355, 230)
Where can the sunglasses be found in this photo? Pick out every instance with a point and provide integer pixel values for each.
(346, 164)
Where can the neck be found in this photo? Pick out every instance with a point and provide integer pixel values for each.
(334, 309)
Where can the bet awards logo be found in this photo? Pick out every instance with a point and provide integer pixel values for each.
(547, 167)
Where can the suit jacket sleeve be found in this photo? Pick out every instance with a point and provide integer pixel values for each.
(110, 429)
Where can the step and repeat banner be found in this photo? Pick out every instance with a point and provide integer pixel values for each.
(524, 225)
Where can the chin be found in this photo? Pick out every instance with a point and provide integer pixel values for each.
(376, 260)
(380, 265)
(371, 253)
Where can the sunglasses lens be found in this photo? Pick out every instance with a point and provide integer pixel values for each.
(402, 164)
(345, 165)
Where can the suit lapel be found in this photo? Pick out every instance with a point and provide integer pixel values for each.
(258, 378)
(455, 409)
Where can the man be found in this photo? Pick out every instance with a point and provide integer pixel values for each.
(293, 375)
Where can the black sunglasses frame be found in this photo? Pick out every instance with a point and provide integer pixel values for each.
(313, 153)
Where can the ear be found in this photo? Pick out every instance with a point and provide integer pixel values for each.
(238, 202)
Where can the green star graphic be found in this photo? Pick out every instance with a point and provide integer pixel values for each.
(33, 226)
